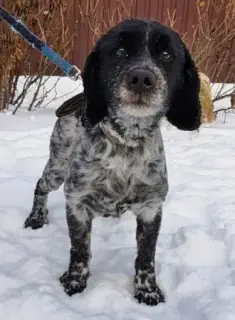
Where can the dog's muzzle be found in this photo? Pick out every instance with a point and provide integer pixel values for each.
(141, 80)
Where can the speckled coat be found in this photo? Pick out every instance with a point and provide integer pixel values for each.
(107, 148)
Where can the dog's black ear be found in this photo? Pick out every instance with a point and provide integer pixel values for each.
(185, 109)
(96, 107)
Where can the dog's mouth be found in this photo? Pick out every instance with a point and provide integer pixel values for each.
(137, 99)
(141, 104)
(138, 104)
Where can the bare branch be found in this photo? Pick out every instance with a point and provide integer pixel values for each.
(222, 97)
(223, 109)
(47, 20)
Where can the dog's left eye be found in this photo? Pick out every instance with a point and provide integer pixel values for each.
(121, 52)
(166, 56)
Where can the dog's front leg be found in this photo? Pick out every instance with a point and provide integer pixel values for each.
(79, 223)
(145, 287)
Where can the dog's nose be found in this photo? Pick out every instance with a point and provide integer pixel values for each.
(141, 80)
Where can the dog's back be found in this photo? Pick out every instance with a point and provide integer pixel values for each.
(72, 105)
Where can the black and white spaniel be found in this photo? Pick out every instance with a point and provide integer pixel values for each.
(107, 147)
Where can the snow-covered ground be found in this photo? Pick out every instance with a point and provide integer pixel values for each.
(195, 256)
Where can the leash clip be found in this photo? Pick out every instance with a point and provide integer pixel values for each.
(75, 73)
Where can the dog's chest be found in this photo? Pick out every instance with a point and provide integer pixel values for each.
(111, 175)
(121, 170)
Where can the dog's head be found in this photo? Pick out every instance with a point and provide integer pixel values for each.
(141, 68)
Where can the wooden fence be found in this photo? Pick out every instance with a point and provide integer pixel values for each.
(87, 18)
(110, 11)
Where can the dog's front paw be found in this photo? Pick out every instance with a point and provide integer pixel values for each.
(73, 283)
(146, 290)
(149, 298)
(37, 220)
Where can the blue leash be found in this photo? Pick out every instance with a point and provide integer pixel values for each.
(18, 27)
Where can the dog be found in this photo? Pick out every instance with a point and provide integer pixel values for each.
(107, 148)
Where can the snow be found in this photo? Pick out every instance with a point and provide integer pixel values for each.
(195, 255)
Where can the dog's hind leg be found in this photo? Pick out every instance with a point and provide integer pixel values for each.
(51, 180)
(54, 171)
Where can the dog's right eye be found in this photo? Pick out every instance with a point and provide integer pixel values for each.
(166, 56)
(121, 52)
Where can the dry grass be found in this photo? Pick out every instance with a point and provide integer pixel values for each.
(206, 99)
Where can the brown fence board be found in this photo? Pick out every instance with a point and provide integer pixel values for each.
(185, 13)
